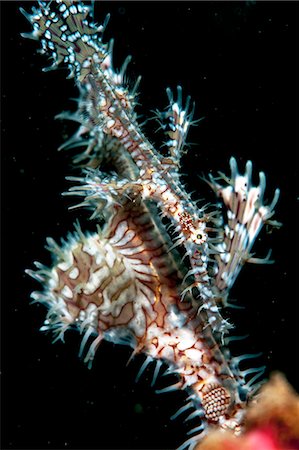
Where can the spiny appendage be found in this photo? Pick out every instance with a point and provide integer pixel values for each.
(199, 278)
(218, 388)
(67, 33)
(189, 221)
(175, 122)
(109, 106)
(202, 370)
(69, 36)
(111, 285)
(104, 194)
(216, 266)
(205, 368)
(100, 150)
(157, 183)
(106, 103)
(246, 214)
(223, 389)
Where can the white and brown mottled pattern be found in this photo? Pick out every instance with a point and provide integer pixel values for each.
(125, 282)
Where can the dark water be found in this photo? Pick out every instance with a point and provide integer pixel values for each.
(238, 62)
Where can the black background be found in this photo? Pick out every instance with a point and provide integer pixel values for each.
(238, 62)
